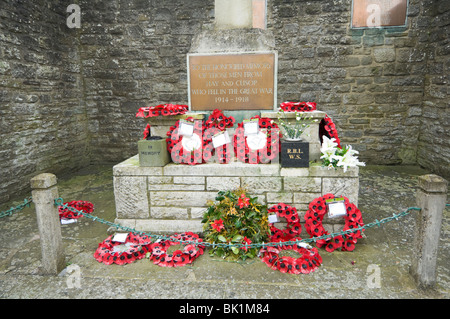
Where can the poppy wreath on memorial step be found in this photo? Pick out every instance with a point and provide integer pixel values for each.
(159, 256)
(298, 106)
(136, 248)
(272, 146)
(293, 228)
(162, 109)
(309, 260)
(81, 205)
(328, 128)
(216, 123)
(175, 147)
(313, 224)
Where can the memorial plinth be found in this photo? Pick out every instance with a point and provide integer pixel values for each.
(173, 198)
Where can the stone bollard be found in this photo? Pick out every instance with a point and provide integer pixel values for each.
(431, 198)
(44, 192)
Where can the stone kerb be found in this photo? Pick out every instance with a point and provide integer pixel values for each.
(173, 198)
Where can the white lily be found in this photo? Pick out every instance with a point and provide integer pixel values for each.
(348, 160)
(328, 148)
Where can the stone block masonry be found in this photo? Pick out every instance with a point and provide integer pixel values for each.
(173, 198)
(69, 97)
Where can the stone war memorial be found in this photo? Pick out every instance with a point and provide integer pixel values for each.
(232, 70)
(287, 132)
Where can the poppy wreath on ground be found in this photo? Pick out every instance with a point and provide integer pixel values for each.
(176, 147)
(268, 151)
(328, 128)
(111, 252)
(313, 224)
(298, 106)
(309, 260)
(293, 228)
(86, 207)
(162, 109)
(159, 256)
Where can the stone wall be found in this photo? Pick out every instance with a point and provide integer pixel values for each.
(43, 120)
(69, 96)
(434, 138)
(369, 81)
(134, 55)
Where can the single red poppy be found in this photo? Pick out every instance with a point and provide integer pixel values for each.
(349, 245)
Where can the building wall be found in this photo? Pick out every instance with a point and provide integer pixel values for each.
(69, 96)
(43, 120)
(434, 136)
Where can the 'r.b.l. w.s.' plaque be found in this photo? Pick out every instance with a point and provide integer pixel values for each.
(294, 154)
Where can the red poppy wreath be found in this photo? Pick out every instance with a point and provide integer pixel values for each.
(298, 106)
(257, 149)
(328, 128)
(217, 122)
(198, 148)
(159, 256)
(162, 109)
(293, 228)
(309, 260)
(186, 149)
(313, 224)
(86, 207)
(114, 252)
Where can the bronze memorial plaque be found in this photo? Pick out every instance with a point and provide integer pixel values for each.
(232, 81)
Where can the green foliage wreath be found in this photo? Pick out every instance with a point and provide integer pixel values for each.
(235, 219)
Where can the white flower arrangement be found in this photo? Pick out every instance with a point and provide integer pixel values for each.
(333, 156)
(293, 130)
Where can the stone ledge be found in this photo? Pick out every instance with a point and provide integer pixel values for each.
(315, 115)
(235, 168)
(130, 167)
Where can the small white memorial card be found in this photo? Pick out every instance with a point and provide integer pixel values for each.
(336, 207)
(251, 127)
(191, 143)
(65, 221)
(220, 139)
(273, 218)
(256, 141)
(120, 237)
(186, 128)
